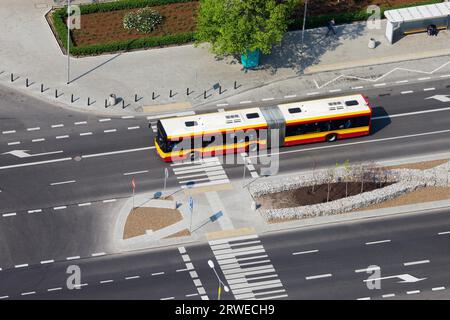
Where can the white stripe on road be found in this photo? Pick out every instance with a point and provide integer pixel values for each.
(9, 214)
(106, 281)
(62, 182)
(73, 258)
(319, 276)
(133, 128)
(4, 297)
(402, 81)
(357, 88)
(57, 125)
(104, 120)
(85, 134)
(379, 84)
(80, 122)
(62, 137)
(109, 200)
(109, 130)
(367, 269)
(389, 295)
(98, 254)
(34, 129)
(132, 277)
(38, 140)
(443, 233)
(312, 93)
(267, 99)
(54, 289)
(157, 273)
(60, 208)
(305, 252)
(13, 143)
(429, 89)
(21, 265)
(365, 298)
(47, 261)
(377, 242)
(28, 293)
(407, 92)
(135, 172)
(168, 298)
(416, 262)
(425, 78)
(35, 211)
(85, 204)
(290, 96)
(413, 292)
(9, 132)
(127, 117)
(437, 288)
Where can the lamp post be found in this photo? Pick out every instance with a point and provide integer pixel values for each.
(221, 284)
(69, 22)
(304, 24)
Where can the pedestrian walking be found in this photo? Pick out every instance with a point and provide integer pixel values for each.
(331, 27)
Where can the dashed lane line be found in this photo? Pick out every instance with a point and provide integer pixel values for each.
(38, 140)
(437, 288)
(407, 92)
(135, 172)
(13, 143)
(415, 262)
(9, 132)
(429, 89)
(377, 242)
(34, 129)
(98, 254)
(389, 295)
(106, 281)
(158, 273)
(57, 126)
(365, 298)
(132, 277)
(443, 233)
(304, 252)
(11, 214)
(28, 293)
(104, 120)
(47, 261)
(54, 289)
(73, 258)
(133, 128)
(63, 137)
(367, 269)
(168, 298)
(62, 182)
(319, 276)
(35, 211)
(85, 204)
(80, 123)
(60, 208)
(413, 292)
(127, 117)
(24, 265)
(85, 134)
(110, 130)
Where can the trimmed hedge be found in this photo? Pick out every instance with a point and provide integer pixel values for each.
(347, 17)
(59, 16)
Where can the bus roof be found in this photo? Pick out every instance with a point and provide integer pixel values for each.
(253, 118)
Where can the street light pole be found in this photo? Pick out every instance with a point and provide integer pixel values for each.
(221, 284)
(304, 24)
(68, 41)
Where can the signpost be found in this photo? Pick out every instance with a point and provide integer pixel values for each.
(191, 207)
(166, 175)
(133, 187)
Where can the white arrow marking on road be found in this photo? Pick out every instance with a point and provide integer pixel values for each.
(440, 97)
(406, 278)
(24, 154)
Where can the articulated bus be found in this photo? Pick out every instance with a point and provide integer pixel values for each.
(196, 136)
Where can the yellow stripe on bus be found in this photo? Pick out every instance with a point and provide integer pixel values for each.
(323, 134)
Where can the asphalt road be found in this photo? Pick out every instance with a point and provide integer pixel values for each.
(87, 159)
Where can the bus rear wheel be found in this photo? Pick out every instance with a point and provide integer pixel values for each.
(331, 137)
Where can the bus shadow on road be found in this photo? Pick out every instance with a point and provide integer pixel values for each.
(380, 119)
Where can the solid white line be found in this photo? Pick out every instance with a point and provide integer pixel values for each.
(9, 214)
(104, 120)
(57, 125)
(135, 172)
(377, 242)
(63, 182)
(110, 130)
(85, 134)
(38, 140)
(437, 288)
(80, 122)
(13, 143)
(319, 276)
(54, 289)
(106, 281)
(305, 252)
(9, 132)
(443, 233)
(60, 208)
(133, 128)
(267, 99)
(157, 273)
(109, 200)
(62, 137)
(389, 295)
(429, 89)
(416, 262)
(34, 129)
(21, 265)
(132, 277)
(73, 258)
(28, 293)
(47, 261)
(84, 204)
(413, 292)
(98, 254)
(406, 92)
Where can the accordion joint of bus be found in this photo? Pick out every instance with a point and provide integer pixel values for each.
(217, 133)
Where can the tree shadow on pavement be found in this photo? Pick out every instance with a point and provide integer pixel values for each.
(289, 53)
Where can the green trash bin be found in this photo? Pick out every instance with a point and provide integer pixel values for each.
(251, 59)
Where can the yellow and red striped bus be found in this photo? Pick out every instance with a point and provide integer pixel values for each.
(296, 123)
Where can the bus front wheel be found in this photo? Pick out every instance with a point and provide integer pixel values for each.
(331, 137)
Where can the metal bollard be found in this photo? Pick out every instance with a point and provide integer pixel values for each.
(135, 98)
(123, 103)
(56, 93)
(153, 95)
(71, 98)
(235, 85)
(204, 94)
(106, 103)
(187, 92)
(42, 87)
(27, 83)
(170, 93)
(220, 89)
(89, 101)
(12, 77)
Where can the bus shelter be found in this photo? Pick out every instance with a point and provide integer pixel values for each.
(410, 20)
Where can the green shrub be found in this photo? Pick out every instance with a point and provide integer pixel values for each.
(144, 20)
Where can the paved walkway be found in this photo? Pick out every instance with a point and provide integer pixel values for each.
(29, 50)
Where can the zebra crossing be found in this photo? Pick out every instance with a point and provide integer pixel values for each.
(200, 173)
(247, 268)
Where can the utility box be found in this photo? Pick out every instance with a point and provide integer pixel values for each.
(401, 22)
(251, 59)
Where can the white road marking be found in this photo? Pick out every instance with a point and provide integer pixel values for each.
(9, 214)
(57, 125)
(132, 277)
(80, 285)
(21, 265)
(415, 262)
(402, 81)
(27, 293)
(109, 200)
(443, 233)
(445, 76)
(357, 88)
(407, 92)
(312, 93)
(157, 273)
(110, 130)
(389, 295)
(47, 261)
(290, 96)
(85, 204)
(117, 152)
(367, 269)
(365, 298)
(38, 140)
(106, 281)
(133, 128)
(13, 143)
(379, 84)
(168, 298)
(181, 270)
(79, 123)
(60, 208)
(62, 137)
(127, 117)
(244, 102)
(319, 276)
(191, 295)
(425, 78)
(104, 120)
(267, 99)
(411, 113)
(73, 258)
(34, 129)
(305, 252)
(222, 105)
(54, 289)
(62, 182)
(377, 242)
(35, 211)
(85, 134)
(135, 172)
(98, 254)
(413, 292)
(9, 132)
(437, 288)
(336, 90)
(429, 89)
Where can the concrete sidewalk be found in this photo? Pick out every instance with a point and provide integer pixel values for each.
(29, 50)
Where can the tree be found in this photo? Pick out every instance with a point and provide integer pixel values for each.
(239, 26)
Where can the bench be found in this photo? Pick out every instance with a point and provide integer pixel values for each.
(424, 29)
